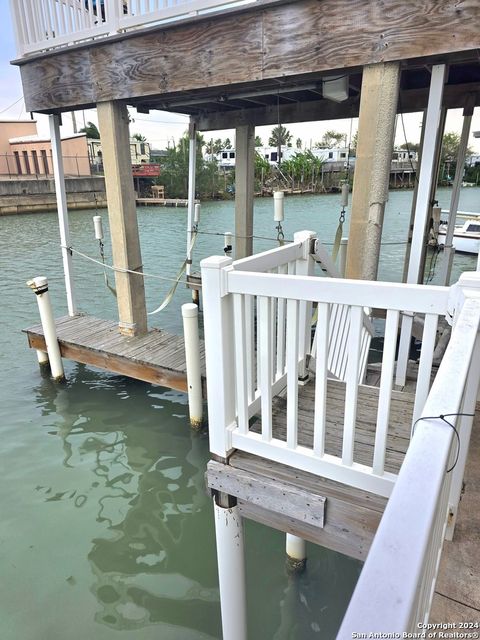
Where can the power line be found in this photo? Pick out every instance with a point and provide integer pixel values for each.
(12, 105)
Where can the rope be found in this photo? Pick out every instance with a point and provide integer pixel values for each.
(71, 250)
(173, 288)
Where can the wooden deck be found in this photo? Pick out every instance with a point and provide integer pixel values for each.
(157, 357)
(291, 500)
(163, 202)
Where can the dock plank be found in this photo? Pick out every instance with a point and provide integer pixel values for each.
(157, 357)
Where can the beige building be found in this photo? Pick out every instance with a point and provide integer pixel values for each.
(139, 152)
(24, 153)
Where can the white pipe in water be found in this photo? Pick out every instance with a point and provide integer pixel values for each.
(296, 552)
(278, 203)
(231, 572)
(42, 357)
(39, 286)
(192, 356)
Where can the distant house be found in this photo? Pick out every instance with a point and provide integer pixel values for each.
(24, 153)
(474, 159)
(139, 151)
(226, 157)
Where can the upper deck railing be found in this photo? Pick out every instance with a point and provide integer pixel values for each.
(258, 318)
(43, 25)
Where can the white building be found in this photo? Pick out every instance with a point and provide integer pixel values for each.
(226, 157)
(139, 151)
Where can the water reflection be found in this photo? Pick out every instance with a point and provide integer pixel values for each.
(153, 559)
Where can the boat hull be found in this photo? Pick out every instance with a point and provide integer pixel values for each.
(462, 242)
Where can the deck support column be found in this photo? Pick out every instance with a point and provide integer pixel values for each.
(376, 131)
(449, 250)
(231, 567)
(244, 189)
(192, 164)
(122, 214)
(61, 196)
(434, 122)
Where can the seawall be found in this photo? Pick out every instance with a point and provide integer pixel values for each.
(31, 195)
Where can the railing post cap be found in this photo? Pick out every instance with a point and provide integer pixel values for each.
(469, 280)
(216, 262)
(189, 310)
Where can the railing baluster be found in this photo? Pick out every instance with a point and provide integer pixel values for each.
(292, 372)
(425, 366)
(61, 12)
(91, 14)
(265, 358)
(343, 362)
(321, 379)
(69, 7)
(53, 14)
(385, 394)
(241, 348)
(351, 389)
(363, 355)
(339, 361)
(273, 335)
(281, 309)
(34, 23)
(250, 346)
(18, 11)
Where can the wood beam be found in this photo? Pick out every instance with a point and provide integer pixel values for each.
(122, 215)
(244, 190)
(412, 100)
(280, 41)
(376, 132)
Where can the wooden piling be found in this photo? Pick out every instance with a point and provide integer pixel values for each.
(122, 214)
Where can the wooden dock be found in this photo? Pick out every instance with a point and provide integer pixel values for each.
(322, 511)
(157, 357)
(164, 202)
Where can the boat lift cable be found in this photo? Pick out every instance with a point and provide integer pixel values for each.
(271, 239)
(72, 251)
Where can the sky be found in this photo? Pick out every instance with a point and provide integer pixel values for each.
(162, 129)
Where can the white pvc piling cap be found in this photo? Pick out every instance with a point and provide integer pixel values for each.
(196, 215)
(189, 310)
(97, 223)
(345, 191)
(278, 215)
(40, 281)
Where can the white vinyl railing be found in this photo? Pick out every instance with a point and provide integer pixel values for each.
(42, 25)
(258, 315)
(395, 589)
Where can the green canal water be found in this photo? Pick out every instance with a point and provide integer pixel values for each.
(105, 528)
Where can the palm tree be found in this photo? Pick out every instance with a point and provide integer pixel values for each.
(139, 137)
(91, 130)
(281, 136)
